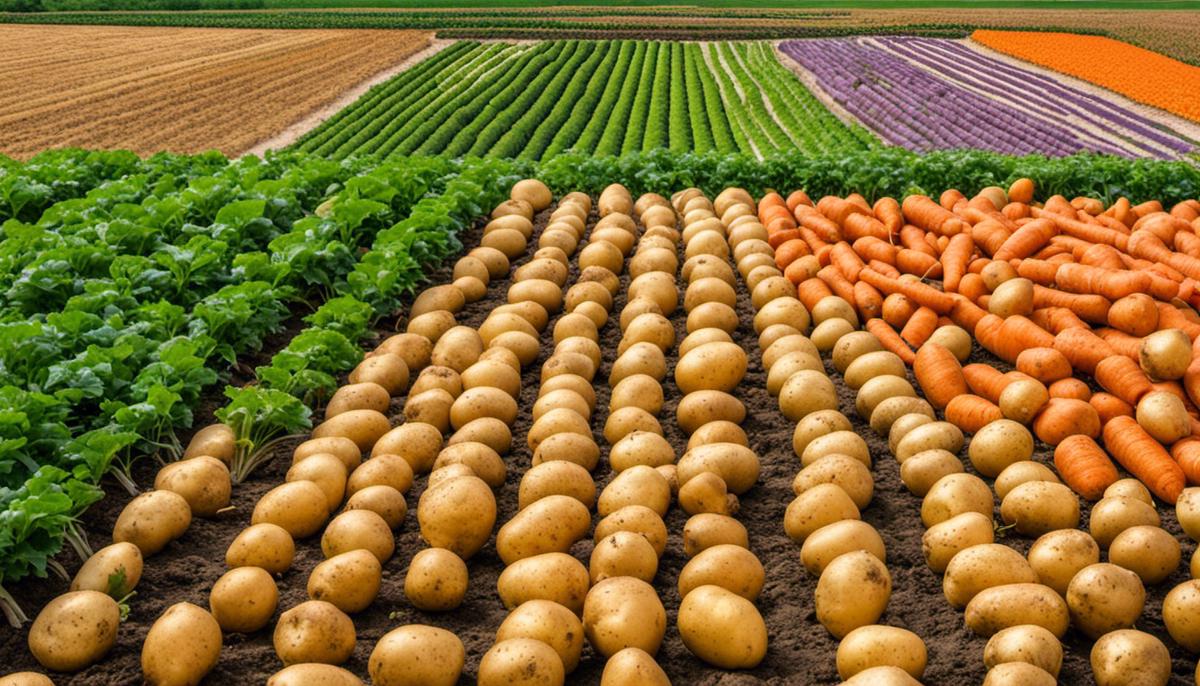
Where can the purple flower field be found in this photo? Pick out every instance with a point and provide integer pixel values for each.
(931, 94)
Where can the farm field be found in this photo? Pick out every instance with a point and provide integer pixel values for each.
(185, 90)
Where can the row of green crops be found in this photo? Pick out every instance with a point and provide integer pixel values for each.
(595, 97)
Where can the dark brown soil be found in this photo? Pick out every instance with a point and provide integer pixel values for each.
(800, 650)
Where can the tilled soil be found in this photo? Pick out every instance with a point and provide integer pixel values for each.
(800, 650)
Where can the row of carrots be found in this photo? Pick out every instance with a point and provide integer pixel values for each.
(1090, 283)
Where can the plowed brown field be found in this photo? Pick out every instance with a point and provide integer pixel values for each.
(182, 90)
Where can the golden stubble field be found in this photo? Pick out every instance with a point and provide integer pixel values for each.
(178, 89)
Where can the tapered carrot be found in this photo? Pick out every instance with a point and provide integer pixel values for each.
(1187, 243)
(867, 300)
(814, 221)
(1121, 210)
(1053, 252)
(837, 283)
(1110, 283)
(918, 263)
(1108, 406)
(871, 248)
(920, 327)
(887, 211)
(1084, 349)
(989, 235)
(1185, 210)
(1006, 338)
(1069, 387)
(966, 313)
(971, 286)
(883, 268)
(790, 251)
(811, 291)
(891, 340)
(846, 260)
(971, 412)
(938, 373)
(1041, 272)
(954, 260)
(796, 198)
(1093, 233)
(1171, 317)
(1084, 466)
(1144, 457)
(1027, 240)
(950, 198)
(915, 238)
(1057, 319)
(819, 246)
(837, 209)
(1121, 342)
(859, 200)
(985, 381)
(1122, 377)
(920, 293)
(1063, 417)
(1186, 454)
(861, 225)
(924, 213)
(1091, 308)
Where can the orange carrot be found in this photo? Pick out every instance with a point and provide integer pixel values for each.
(920, 327)
(971, 286)
(989, 235)
(924, 213)
(918, 263)
(950, 198)
(896, 309)
(1171, 317)
(1186, 454)
(1090, 308)
(1027, 240)
(883, 268)
(1110, 283)
(971, 412)
(1041, 272)
(1108, 406)
(1185, 211)
(868, 300)
(837, 209)
(870, 248)
(818, 223)
(914, 238)
(954, 260)
(837, 283)
(816, 244)
(846, 260)
(811, 291)
(1044, 364)
(1191, 379)
(1057, 319)
(1063, 417)
(920, 293)
(1123, 378)
(1084, 466)
(985, 381)
(938, 373)
(1121, 342)
(1144, 457)
(887, 211)
(797, 198)
(1082, 348)
(1093, 233)
(1069, 387)
(790, 251)
(861, 225)
(966, 313)
(1006, 338)
(891, 340)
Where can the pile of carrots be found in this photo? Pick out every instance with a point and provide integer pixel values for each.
(1101, 278)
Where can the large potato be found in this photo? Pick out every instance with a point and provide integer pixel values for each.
(327, 472)
(1181, 614)
(265, 545)
(182, 646)
(981, 567)
(876, 645)
(722, 628)
(1148, 551)
(1104, 597)
(712, 366)
(638, 485)
(457, 514)
(550, 623)
(1128, 657)
(638, 519)
(314, 631)
(364, 427)
(1113, 514)
(834, 540)
(202, 481)
(417, 655)
(244, 599)
(835, 468)
(154, 519)
(114, 569)
(418, 443)
(942, 541)
(1058, 556)
(853, 591)
(633, 667)
(383, 500)
(1001, 607)
(1038, 507)
(214, 440)
(641, 448)
(805, 392)
(1026, 643)
(623, 612)
(349, 580)
(731, 567)
(924, 469)
(557, 577)
(75, 630)
(550, 525)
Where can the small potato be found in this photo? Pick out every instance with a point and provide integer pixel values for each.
(483, 461)
(262, 545)
(1029, 644)
(998, 445)
(853, 591)
(342, 448)
(1163, 415)
(638, 485)
(1181, 614)
(876, 645)
(885, 675)
(904, 424)
(713, 366)
(1021, 472)
(1113, 514)
(921, 471)
(770, 288)
(559, 420)
(712, 316)
(385, 469)
(358, 396)
(1130, 657)
(1038, 507)
(458, 348)
(633, 667)
(775, 332)
(639, 390)
(1148, 551)
(1013, 297)
(558, 477)
(833, 307)
(806, 392)
(706, 493)
(943, 435)
(431, 326)
(326, 471)
(640, 358)
(571, 447)
(483, 401)
(550, 623)
(570, 382)
(623, 553)
(701, 336)
(626, 420)
(489, 431)
(520, 661)
(1104, 597)
(314, 631)
(416, 442)
(243, 600)
(355, 529)
(833, 540)
(417, 655)
(706, 289)
(881, 389)
(624, 612)
(845, 443)
(729, 566)
(1165, 354)
(1187, 511)
(555, 577)
(76, 630)
(819, 506)
(648, 328)
(782, 311)
(364, 427)
(436, 580)
(954, 339)
(350, 580)
(791, 343)
(1023, 399)
(703, 531)
(737, 465)
(214, 440)
(941, 542)
(852, 346)
(722, 628)
(182, 646)
(1001, 607)
(637, 518)
(1059, 555)
(718, 432)
(552, 524)
(789, 364)
(848, 472)
(387, 370)
(702, 407)
(114, 569)
(873, 364)
(493, 373)
(981, 567)
(155, 518)
(815, 425)
(414, 349)
(953, 495)
(1131, 488)
(307, 674)
(458, 514)
(640, 448)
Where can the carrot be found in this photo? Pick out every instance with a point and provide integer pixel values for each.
(954, 260)
(1108, 406)
(1191, 379)
(1041, 272)
(797, 272)
(1185, 210)
(1015, 210)
(1186, 453)
(797, 198)
(1044, 364)
(1091, 206)
(1123, 378)
(1093, 233)
(1187, 243)
(989, 235)
(1082, 348)
(920, 293)
(1148, 207)
(971, 286)
(891, 340)
(918, 263)
(1122, 343)
(870, 248)
(1063, 417)
(1171, 317)
(837, 283)
(846, 260)
(939, 373)
(818, 223)
(868, 300)
(883, 268)
(1069, 387)
(920, 327)
(924, 213)
(966, 313)
(857, 199)
(837, 209)
(819, 246)
(887, 211)
(985, 381)
(1057, 319)
(950, 198)
(861, 225)
(1121, 210)
(1084, 466)
(1059, 205)
(896, 309)
(1021, 190)
(1110, 283)
(1172, 387)
(1027, 240)
(811, 291)
(790, 251)
(1091, 308)
(971, 412)
(1006, 338)
(914, 238)
(1144, 457)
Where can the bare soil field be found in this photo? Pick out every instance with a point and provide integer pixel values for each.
(177, 89)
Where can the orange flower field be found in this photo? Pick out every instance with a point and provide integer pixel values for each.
(1142, 75)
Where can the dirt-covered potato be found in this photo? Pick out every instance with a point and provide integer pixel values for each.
(705, 530)
(981, 567)
(1148, 551)
(640, 390)
(1001, 607)
(1104, 597)
(75, 630)
(623, 612)
(155, 518)
(722, 628)
(1163, 415)
(1181, 614)
(942, 541)
(310, 673)
(1038, 507)
(417, 654)
(557, 577)
(845, 443)
(623, 553)
(349, 580)
(214, 440)
(876, 645)
(1130, 657)
(263, 545)
(641, 448)
(953, 495)
(1026, 643)
(550, 623)
(872, 364)
(458, 514)
(114, 569)
(633, 667)
(182, 646)
(342, 448)
(314, 631)
(921, 471)
(848, 472)
(637, 518)
(833, 540)
(999, 444)
(805, 392)
(389, 371)
(551, 524)
(326, 471)
(853, 591)
(1113, 514)
(571, 447)
(243, 600)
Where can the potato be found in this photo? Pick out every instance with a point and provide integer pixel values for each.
(657, 286)
(790, 343)
(1021, 472)
(1038, 507)
(932, 435)
(308, 674)
(244, 599)
(483, 401)
(570, 382)
(623, 553)
(1018, 674)
(326, 471)
(722, 628)
(637, 518)
(641, 448)
(648, 328)
(520, 661)
(980, 567)
(1187, 511)
(557, 421)
(495, 261)
(998, 445)
(705, 289)
(732, 567)
(1059, 555)
(385, 470)
(943, 541)
(1181, 614)
(775, 332)
(717, 432)
(386, 370)
(1131, 488)
(431, 325)
(873, 364)
(701, 336)
(852, 591)
(1113, 514)
(1023, 399)
(457, 514)
(806, 392)
(349, 581)
(848, 472)
(182, 646)
(737, 465)
(494, 374)
(436, 580)
(1027, 644)
(1163, 415)
(716, 366)
(845, 443)
(314, 631)
(633, 667)
(1130, 657)
(638, 485)
(816, 507)
(1104, 597)
(635, 307)
(640, 358)
(852, 346)
(558, 477)
(342, 448)
(954, 494)
(364, 427)
(703, 531)
(816, 425)
(354, 529)
(552, 524)
(782, 311)
(769, 289)
(954, 339)
(358, 396)
(789, 364)
(155, 518)
(571, 447)
(458, 348)
(1013, 297)
(876, 645)
(483, 461)
(881, 389)
(550, 623)
(626, 420)
(556, 577)
(921, 471)
(214, 440)
(701, 407)
(417, 655)
(75, 630)
(413, 348)
(1001, 607)
(904, 424)
(833, 540)
(712, 316)
(418, 443)
(706, 492)
(124, 560)
(383, 500)
(885, 675)
(624, 612)
(263, 545)
(1165, 354)
(1148, 551)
